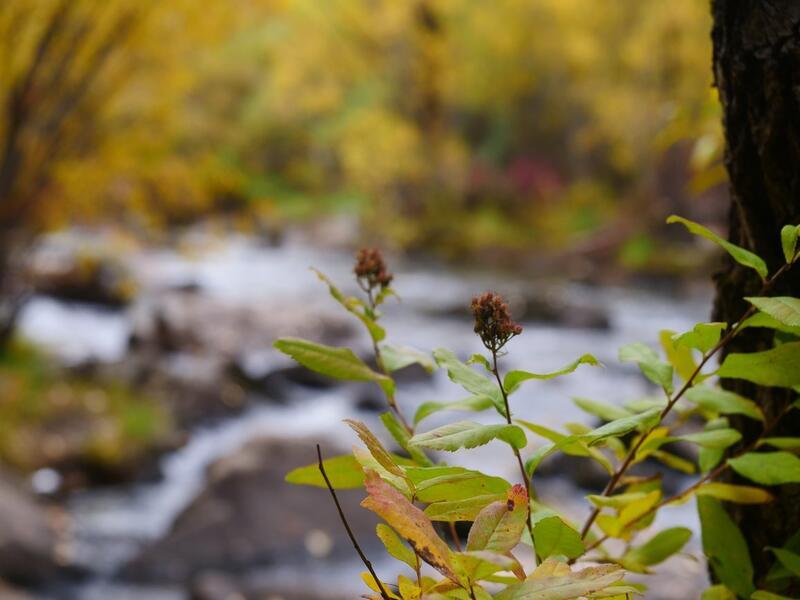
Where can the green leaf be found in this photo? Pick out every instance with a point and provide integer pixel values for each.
(714, 438)
(784, 443)
(339, 363)
(461, 510)
(739, 254)
(552, 536)
(768, 468)
(718, 592)
(395, 546)
(778, 572)
(761, 319)
(440, 483)
(402, 437)
(499, 526)
(655, 369)
(784, 309)
(776, 367)
(617, 501)
(657, 549)
(514, 379)
(344, 473)
(468, 378)
(468, 434)
(674, 462)
(740, 494)
(480, 359)
(789, 235)
(397, 357)
(409, 522)
(678, 355)
(473, 404)
(702, 337)
(576, 448)
(480, 564)
(725, 547)
(607, 412)
(723, 402)
(619, 427)
(564, 587)
(788, 559)
(614, 429)
(764, 595)
(354, 306)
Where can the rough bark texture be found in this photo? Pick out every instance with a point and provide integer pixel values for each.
(757, 72)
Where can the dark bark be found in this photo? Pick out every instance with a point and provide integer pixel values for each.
(757, 73)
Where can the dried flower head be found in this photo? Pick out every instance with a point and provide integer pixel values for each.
(371, 270)
(493, 322)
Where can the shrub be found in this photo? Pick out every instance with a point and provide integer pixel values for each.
(410, 493)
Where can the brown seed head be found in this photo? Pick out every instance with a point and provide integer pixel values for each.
(493, 322)
(371, 270)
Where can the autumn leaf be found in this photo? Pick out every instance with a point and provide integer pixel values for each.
(409, 522)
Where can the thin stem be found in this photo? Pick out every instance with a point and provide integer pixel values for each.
(382, 368)
(352, 537)
(724, 341)
(454, 535)
(522, 471)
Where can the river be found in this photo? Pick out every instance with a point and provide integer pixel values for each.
(111, 524)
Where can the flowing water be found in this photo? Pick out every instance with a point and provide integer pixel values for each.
(111, 524)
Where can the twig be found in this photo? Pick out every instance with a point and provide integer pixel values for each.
(379, 361)
(364, 559)
(525, 478)
(626, 463)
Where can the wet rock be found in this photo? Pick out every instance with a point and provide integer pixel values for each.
(197, 323)
(27, 541)
(583, 472)
(248, 517)
(550, 307)
(9, 592)
(212, 585)
(82, 274)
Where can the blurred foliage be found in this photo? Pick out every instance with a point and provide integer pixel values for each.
(447, 124)
(47, 419)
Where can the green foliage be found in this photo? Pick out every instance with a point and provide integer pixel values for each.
(740, 255)
(768, 468)
(655, 369)
(118, 425)
(514, 379)
(410, 494)
(725, 547)
(775, 367)
(784, 309)
(789, 234)
(344, 473)
(339, 363)
(467, 434)
(657, 549)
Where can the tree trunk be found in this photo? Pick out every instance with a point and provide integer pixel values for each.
(757, 72)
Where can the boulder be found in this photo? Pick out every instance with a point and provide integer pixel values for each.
(247, 517)
(27, 541)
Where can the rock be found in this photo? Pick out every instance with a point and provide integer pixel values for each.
(550, 307)
(175, 321)
(82, 273)
(212, 585)
(248, 517)
(8, 592)
(27, 541)
(583, 472)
